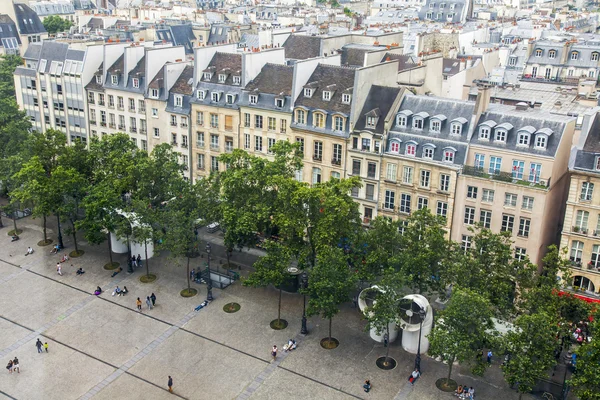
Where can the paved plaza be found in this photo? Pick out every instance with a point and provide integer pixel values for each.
(102, 348)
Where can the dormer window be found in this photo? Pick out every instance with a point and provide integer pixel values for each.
(435, 126)
(395, 147)
(214, 96)
(253, 98)
(230, 98)
(308, 92)
(207, 76)
(523, 139)
(222, 78)
(552, 54)
(300, 117)
(338, 124)
(154, 93)
(401, 121)
(541, 141)
(449, 155)
(178, 101)
(538, 53)
(411, 149)
(136, 83)
(595, 56)
(484, 133)
(114, 79)
(326, 95)
(418, 123)
(456, 128)
(201, 94)
(428, 152)
(319, 120)
(371, 122)
(279, 103)
(500, 135)
(346, 98)
(597, 163)
(99, 79)
(237, 80)
(574, 55)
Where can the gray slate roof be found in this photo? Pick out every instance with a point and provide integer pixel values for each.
(335, 79)
(585, 158)
(301, 47)
(380, 99)
(28, 21)
(224, 63)
(273, 79)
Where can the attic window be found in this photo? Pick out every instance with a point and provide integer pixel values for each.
(597, 163)
(253, 98)
(279, 103)
(449, 155)
(417, 122)
(595, 56)
(207, 76)
(552, 54)
(456, 128)
(500, 135)
(222, 78)
(435, 126)
(523, 139)
(326, 95)
(541, 141)
(308, 92)
(114, 79)
(371, 122)
(178, 101)
(230, 98)
(99, 79)
(401, 121)
(237, 80)
(484, 133)
(346, 98)
(538, 53)
(214, 96)
(201, 94)
(574, 55)
(136, 83)
(154, 93)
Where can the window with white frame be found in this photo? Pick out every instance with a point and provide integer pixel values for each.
(465, 243)
(411, 149)
(520, 253)
(214, 96)
(524, 226)
(456, 128)
(136, 83)
(595, 256)
(523, 139)
(485, 218)
(435, 126)
(207, 76)
(500, 135)
(422, 202)
(405, 203)
(527, 203)
(487, 196)
(448, 155)
(574, 55)
(552, 54)
(178, 101)
(407, 175)
(338, 124)
(508, 223)
(442, 209)
(300, 117)
(316, 175)
(587, 190)
(258, 143)
(517, 169)
(538, 53)
(308, 92)
(230, 98)
(395, 147)
(253, 99)
(319, 120)
(576, 251)
(270, 144)
(391, 172)
(401, 121)
(279, 103)
(495, 165)
(479, 161)
(114, 79)
(156, 132)
(510, 199)
(472, 192)
(417, 123)
(154, 93)
(201, 94)
(222, 78)
(540, 141)
(371, 122)
(390, 197)
(484, 133)
(535, 172)
(424, 178)
(469, 218)
(237, 80)
(346, 98)
(581, 219)
(326, 95)
(444, 182)
(428, 152)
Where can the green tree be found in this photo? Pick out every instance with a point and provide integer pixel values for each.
(531, 345)
(461, 328)
(383, 310)
(381, 249)
(271, 269)
(54, 24)
(424, 250)
(585, 382)
(330, 284)
(73, 187)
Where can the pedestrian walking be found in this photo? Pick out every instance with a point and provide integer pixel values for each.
(46, 346)
(139, 260)
(9, 366)
(139, 304)
(274, 352)
(39, 345)
(58, 269)
(148, 303)
(489, 357)
(133, 262)
(16, 366)
(170, 384)
(153, 298)
(193, 274)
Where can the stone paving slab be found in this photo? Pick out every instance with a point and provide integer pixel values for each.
(10, 334)
(106, 331)
(200, 368)
(131, 388)
(61, 374)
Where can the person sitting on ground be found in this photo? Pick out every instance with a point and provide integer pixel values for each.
(291, 345)
(98, 291)
(14, 238)
(29, 251)
(414, 376)
(55, 249)
(459, 390)
(367, 386)
(124, 291)
(471, 393)
(64, 258)
(80, 271)
(117, 291)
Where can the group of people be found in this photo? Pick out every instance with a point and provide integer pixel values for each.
(150, 302)
(41, 345)
(581, 332)
(13, 365)
(465, 392)
(136, 261)
(120, 292)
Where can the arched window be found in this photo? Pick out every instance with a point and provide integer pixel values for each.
(552, 54)
(595, 56)
(319, 120)
(316, 175)
(538, 53)
(338, 124)
(449, 155)
(411, 149)
(583, 283)
(395, 147)
(574, 55)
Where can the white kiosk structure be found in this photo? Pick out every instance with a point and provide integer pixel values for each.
(119, 246)
(365, 300)
(416, 318)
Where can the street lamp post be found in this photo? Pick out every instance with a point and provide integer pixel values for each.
(304, 279)
(60, 241)
(209, 296)
(422, 314)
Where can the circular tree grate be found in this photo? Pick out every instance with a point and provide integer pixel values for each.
(231, 308)
(329, 344)
(278, 324)
(386, 363)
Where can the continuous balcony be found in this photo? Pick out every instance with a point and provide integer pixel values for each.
(498, 175)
